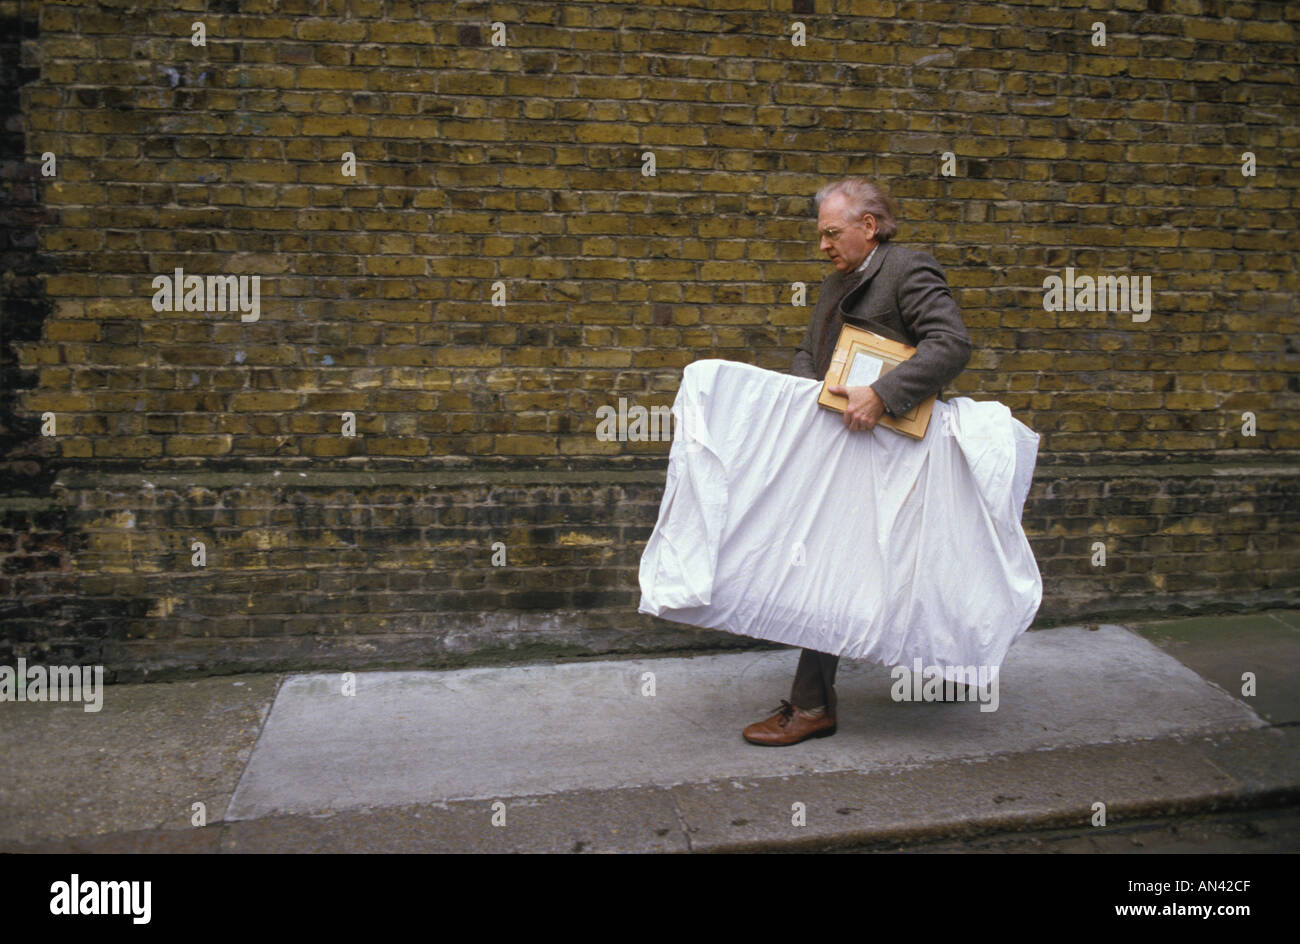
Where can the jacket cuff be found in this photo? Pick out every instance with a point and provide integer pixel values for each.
(891, 397)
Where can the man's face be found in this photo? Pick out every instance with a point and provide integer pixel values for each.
(846, 241)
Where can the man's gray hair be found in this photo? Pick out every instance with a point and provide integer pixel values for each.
(864, 197)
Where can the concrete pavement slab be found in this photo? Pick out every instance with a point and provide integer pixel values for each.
(956, 798)
(139, 763)
(591, 821)
(1263, 761)
(409, 738)
(162, 841)
(1224, 649)
(1253, 831)
(1290, 617)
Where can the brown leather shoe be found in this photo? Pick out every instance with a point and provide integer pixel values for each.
(789, 726)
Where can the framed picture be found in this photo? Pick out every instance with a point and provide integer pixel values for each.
(860, 358)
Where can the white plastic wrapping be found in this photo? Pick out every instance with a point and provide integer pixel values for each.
(779, 523)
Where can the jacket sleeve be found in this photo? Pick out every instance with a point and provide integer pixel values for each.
(943, 347)
(803, 364)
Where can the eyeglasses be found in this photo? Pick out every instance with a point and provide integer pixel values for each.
(834, 234)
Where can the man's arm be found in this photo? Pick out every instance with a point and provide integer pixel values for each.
(943, 347)
(803, 364)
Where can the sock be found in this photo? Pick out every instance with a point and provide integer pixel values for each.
(814, 712)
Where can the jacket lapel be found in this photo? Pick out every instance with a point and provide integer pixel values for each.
(854, 295)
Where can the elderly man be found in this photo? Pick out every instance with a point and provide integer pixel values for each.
(896, 292)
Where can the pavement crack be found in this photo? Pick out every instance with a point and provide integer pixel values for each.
(681, 821)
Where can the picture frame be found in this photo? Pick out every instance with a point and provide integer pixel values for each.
(859, 359)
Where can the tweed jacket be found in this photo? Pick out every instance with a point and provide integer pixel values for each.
(903, 296)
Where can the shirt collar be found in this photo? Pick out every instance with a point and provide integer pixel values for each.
(867, 261)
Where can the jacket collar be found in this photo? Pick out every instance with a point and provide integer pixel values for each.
(859, 280)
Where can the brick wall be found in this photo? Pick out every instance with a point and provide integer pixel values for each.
(523, 165)
(344, 570)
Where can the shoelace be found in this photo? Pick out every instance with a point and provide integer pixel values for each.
(786, 711)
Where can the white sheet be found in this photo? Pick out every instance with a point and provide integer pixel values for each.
(779, 523)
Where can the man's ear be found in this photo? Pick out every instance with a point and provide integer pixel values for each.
(869, 220)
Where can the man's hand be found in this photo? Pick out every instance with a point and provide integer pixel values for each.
(864, 407)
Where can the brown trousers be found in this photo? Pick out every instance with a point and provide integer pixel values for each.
(814, 681)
